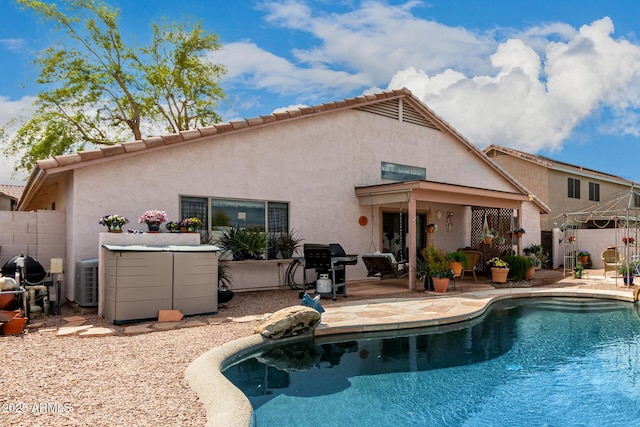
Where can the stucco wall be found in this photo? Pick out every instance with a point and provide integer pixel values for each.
(313, 163)
(594, 241)
(40, 235)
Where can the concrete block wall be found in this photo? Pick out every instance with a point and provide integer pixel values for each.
(40, 235)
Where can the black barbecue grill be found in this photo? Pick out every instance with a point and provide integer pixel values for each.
(331, 260)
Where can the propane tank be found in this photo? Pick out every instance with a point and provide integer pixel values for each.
(323, 284)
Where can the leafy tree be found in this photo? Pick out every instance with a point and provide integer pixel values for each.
(100, 90)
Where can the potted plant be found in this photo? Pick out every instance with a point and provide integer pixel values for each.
(437, 271)
(519, 231)
(224, 283)
(583, 256)
(113, 222)
(287, 243)
(422, 271)
(487, 236)
(627, 272)
(577, 271)
(190, 224)
(534, 262)
(456, 261)
(172, 226)
(153, 219)
(243, 242)
(440, 273)
(499, 270)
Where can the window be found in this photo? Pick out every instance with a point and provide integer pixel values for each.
(594, 191)
(272, 217)
(396, 172)
(194, 206)
(574, 188)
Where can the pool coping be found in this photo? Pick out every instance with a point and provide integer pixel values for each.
(227, 406)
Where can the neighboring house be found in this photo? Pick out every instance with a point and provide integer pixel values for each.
(367, 172)
(563, 187)
(9, 196)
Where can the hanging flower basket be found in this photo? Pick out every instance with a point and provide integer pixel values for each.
(432, 228)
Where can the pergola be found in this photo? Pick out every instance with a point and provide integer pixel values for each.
(621, 212)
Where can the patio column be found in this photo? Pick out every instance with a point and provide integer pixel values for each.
(520, 222)
(412, 241)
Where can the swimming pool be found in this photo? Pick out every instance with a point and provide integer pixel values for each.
(552, 361)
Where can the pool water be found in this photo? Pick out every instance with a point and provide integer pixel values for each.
(526, 362)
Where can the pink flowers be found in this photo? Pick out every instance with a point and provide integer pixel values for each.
(151, 217)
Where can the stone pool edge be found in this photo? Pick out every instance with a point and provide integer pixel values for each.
(227, 406)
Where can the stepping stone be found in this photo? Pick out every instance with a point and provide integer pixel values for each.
(245, 319)
(74, 318)
(169, 316)
(76, 323)
(144, 328)
(36, 325)
(191, 324)
(218, 320)
(67, 331)
(97, 332)
(47, 330)
(166, 326)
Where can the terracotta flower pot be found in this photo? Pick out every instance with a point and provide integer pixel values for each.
(456, 267)
(530, 272)
(499, 275)
(440, 284)
(8, 301)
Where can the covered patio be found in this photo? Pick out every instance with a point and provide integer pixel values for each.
(468, 210)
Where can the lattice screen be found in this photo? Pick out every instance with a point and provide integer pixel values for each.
(498, 219)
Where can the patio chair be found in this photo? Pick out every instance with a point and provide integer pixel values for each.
(384, 266)
(611, 259)
(473, 258)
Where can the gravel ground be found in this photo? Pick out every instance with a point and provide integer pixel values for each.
(124, 380)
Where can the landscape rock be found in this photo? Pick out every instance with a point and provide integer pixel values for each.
(289, 322)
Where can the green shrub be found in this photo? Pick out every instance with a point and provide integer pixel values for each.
(517, 266)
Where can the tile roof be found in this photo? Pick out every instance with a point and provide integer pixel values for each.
(72, 160)
(554, 164)
(12, 191)
(416, 112)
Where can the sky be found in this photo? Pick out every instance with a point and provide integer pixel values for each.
(559, 78)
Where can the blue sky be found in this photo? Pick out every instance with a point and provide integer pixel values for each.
(557, 78)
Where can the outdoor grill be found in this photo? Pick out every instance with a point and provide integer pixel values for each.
(328, 261)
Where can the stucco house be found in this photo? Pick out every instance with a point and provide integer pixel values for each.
(367, 172)
(563, 187)
(9, 196)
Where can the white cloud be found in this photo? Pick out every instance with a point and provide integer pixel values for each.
(14, 45)
(528, 91)
(10, 110)
(531, 102)
(249, 65)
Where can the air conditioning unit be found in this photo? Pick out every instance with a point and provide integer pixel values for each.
(87, 283)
